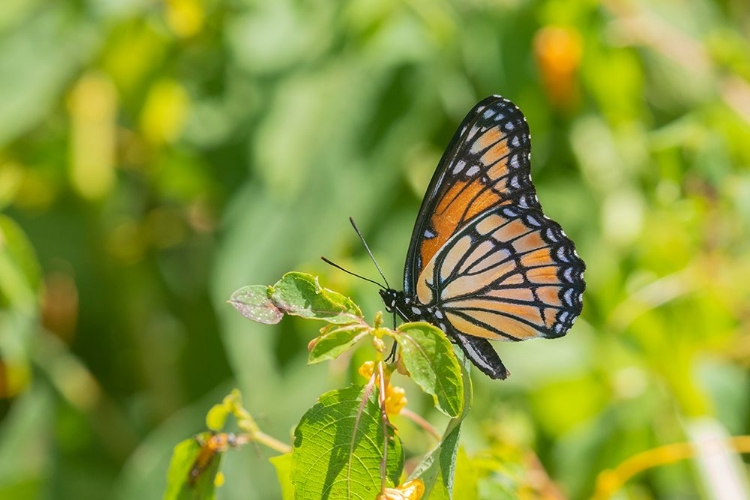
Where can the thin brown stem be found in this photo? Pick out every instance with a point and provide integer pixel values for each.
(384, 421)
(421, 422)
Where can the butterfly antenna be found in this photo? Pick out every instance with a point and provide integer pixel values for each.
(356, 229)
(349, 272)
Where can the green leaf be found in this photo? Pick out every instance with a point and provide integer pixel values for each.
(465, 484)
(283, 465)
(339, 447)
(429, 357)
(300, 294)
(186, 479)
(19, 269)
(437, 468)
(217, 416)
(335, 340)
(254, 303)
(20, 278)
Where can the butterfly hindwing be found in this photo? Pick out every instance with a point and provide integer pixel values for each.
(510, 274)
(486, 164)
(481, 353)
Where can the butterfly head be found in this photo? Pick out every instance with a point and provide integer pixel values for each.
(391, 298)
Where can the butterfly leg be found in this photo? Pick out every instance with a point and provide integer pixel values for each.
(392, 356)
(480, 352)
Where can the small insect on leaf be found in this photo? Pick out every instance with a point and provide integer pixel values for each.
(194, 465)
(211, 450)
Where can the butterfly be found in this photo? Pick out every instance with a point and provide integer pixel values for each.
(484, 262)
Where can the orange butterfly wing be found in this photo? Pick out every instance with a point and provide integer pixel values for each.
(486, 164)
(484, 262)
(509, 274)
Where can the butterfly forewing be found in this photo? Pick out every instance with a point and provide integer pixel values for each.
(510, 273)
(487, 164)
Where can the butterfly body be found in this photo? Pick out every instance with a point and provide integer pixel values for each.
(484, 262)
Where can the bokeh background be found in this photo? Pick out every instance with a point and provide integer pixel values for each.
(157, 155)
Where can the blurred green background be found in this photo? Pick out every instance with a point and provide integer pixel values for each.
(157, 155)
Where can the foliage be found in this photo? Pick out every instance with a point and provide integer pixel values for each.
(344, 446)
(156, 156)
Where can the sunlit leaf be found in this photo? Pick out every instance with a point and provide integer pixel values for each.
(19, 307)
(217, 416)
(19, 270)
(335, 340)
(339, 446)
(254, 303)
(300, 294)
(283, 466)
(465, 478)
(437, 468)
(429, 357)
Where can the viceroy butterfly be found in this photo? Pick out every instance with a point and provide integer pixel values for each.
(484, 261)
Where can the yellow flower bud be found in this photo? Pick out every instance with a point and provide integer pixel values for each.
(410, 490)
(367, 369)
(395, 399)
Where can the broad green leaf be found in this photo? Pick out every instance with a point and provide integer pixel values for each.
(429, 357)
(339, 445)
(283, 466)
(437, 468)
(300, 294)
(254, 303)
(335, 340)
(192, 471)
